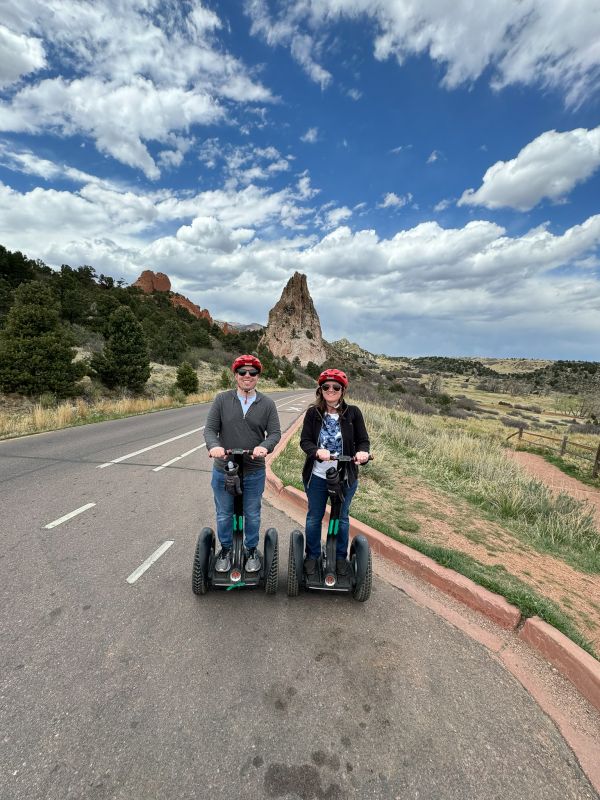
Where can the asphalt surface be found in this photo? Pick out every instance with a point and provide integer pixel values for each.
(117, 689)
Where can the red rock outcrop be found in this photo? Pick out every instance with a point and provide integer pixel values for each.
(183, 302)
(150, 282)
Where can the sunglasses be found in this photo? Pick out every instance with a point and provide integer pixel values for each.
(243, 372)
(331, 387)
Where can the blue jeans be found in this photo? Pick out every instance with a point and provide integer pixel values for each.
(253, 488)
(316, 492)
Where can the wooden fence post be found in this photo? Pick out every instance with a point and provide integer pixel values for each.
(563, 446)
(596, 463)
(521, 432)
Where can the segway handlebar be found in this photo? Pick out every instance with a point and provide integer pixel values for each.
(334, 457)
(236, 451)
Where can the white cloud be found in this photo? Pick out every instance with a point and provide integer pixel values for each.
(433, 157)
(138, 73)
(534, 42)
(311, 136)
(19, 55)
(392, 200)
(548, 167)
(422, 286)
(337, 215)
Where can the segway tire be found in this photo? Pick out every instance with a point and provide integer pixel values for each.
(204, 546)
(293, 584)
(360, 554)
(272, 556)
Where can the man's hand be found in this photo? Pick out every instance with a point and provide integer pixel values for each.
(361, 457)
(323, 455)
(259, 452)
(216, 452)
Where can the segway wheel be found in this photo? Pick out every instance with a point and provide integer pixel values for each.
(272, 555)
(293, 585)
(204, 546)
(360, 555)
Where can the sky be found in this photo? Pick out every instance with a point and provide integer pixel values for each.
(432, 167)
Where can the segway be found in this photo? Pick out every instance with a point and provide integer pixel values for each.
(359, 577)
(204, 575)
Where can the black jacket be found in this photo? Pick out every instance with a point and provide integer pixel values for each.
(354, 438)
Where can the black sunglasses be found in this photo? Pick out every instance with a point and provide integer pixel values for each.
(333, 386)
(252, 372)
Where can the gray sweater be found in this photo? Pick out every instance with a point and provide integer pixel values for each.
(227, 427)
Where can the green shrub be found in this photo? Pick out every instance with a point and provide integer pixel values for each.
(187, 378)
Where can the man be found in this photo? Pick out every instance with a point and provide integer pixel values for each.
(241, 418)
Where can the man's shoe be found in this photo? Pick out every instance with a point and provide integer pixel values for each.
(252, 560)
(342, 567)
(310, 565)
(223, 562)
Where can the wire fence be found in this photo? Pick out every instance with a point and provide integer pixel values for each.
(564, 445)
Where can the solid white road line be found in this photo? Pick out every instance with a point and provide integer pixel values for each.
(178, 458)
(149, 561)
(69, 516)
(292, 400)
(152, 446)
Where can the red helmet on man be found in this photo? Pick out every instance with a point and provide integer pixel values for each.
(333, 375)
(246, 361)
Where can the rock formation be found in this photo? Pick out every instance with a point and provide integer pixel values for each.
(294, 329)
(150, 282)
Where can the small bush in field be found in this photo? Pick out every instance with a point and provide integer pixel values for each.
(416, 405)
(187, 378)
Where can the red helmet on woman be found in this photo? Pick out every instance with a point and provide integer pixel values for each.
(246, 361)
(334, 375)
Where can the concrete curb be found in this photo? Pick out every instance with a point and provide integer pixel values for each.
(581, 669)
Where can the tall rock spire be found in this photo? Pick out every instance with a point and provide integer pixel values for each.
(294, 328)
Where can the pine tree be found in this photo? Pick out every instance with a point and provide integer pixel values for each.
(125, 360)
(187, 378)
(36, 351)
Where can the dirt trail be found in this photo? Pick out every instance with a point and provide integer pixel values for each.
(452, 524)
(557, 480)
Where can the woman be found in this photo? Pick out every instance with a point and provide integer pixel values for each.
(330, 427)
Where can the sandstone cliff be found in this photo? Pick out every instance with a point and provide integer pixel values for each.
(294, 329)
(150, 282)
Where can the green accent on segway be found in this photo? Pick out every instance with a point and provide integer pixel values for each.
(238, 523)
(334, 525)
(235, 586)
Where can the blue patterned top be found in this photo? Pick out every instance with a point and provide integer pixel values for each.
(330, 438)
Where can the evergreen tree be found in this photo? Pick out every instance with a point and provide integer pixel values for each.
(187, 378)
(169, 344)
(314, 370)
(125, 360)
(36, 351)
(288, 373)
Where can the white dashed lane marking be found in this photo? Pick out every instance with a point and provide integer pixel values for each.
(178, 458)
(151, 447)
(72, 514)
(149, 561)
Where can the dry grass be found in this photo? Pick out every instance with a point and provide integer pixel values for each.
(38, 418)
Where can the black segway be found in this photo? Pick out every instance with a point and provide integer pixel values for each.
(359, 577)
(204, 575)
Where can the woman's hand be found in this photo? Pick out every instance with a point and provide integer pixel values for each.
(361, 457)
(323, 455)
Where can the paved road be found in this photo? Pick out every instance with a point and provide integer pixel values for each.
(110, 689)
